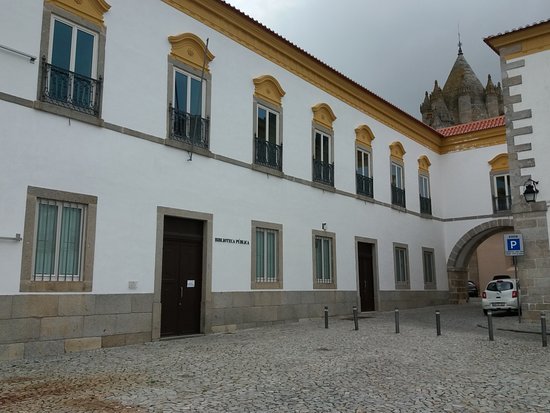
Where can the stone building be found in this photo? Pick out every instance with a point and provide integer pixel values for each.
(463, 98)
(174, 167)
(525, 64)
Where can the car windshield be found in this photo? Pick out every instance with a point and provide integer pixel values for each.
(500, 286)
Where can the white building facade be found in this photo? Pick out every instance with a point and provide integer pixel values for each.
(174, 167)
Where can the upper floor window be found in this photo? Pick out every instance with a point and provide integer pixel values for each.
(268, 147)
(363, 168)
(424, 185)
(188, 99)
(500, 183)
(396, 175)
(502, 198)
(73, 56)
(323, 164)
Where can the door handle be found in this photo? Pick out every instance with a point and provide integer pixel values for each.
(181, 292)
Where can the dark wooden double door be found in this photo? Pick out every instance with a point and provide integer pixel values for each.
(181, 292)
(366, 275)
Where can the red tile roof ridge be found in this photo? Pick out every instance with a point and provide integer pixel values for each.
(472, 126)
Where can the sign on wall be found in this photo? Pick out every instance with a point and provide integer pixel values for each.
(513, 245)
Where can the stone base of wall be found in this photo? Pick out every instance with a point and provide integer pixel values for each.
(402, 299)
(237, 310)
(46, 325)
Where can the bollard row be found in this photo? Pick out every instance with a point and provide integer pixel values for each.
(438, 323)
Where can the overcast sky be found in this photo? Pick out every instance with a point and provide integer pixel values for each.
(397, 48)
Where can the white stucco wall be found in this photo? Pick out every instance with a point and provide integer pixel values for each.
(132, 176)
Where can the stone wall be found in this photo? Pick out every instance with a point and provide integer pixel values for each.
(44, 325)
(236, 310)
(402, 299)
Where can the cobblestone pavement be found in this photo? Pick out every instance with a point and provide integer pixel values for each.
(301, 367)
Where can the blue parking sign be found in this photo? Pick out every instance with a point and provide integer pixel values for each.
(513, 244)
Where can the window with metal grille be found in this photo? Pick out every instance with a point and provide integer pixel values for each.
(266, 255)
(323, 260)
(429, 268)
(59, 236)
(401, 263)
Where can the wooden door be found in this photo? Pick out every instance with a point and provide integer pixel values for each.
(366, 276)
(181, 292)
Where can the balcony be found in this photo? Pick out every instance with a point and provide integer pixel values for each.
(364, 185)
(70, 90)
(502, 203)
(268, 154)
(323, 172)
(397, 196)
(187, 128)
(425, 205)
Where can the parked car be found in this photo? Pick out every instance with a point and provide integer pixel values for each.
(473, 291)
(502, 294)
(501, 277)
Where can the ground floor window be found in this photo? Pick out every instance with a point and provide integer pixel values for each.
(428, 264)
(266, 255)
(59, 241)
(324, 260)
(401, 263)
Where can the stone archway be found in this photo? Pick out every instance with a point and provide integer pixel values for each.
(457, 264)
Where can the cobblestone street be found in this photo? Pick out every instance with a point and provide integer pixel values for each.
(301, 367)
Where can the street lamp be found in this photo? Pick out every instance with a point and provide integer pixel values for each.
(531, 190)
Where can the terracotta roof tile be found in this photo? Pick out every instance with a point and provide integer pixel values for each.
(473, 126)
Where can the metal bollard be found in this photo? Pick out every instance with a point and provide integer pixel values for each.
(543, 329)
(396, 321)
(355, 320)
(438, 322)
(490, 325)
(326, 316)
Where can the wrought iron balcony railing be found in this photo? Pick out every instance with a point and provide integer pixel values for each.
(323, 172)
(397, 196)
(268, 154)
(192, 129)
(68, 89)
(364, 185)
(425, 205)
(502, 203)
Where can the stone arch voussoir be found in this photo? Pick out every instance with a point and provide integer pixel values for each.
(457, 263)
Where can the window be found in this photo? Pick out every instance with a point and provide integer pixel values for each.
(189, 81)
(401, 263)
(58, 241)
(268, 149)
(268, 146)
(59, 234)
(266, 255)
(425, 200)
(73, 47)
(363, 178)
(188, 112)
(428, 264)
(323, 168)
(324, 266)
(397, 185)
(502, 200)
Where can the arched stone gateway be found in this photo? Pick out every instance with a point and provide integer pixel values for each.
(457, 264)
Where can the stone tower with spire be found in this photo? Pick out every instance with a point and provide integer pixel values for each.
(463, 98)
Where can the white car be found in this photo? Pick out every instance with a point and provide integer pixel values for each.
(501, 294)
